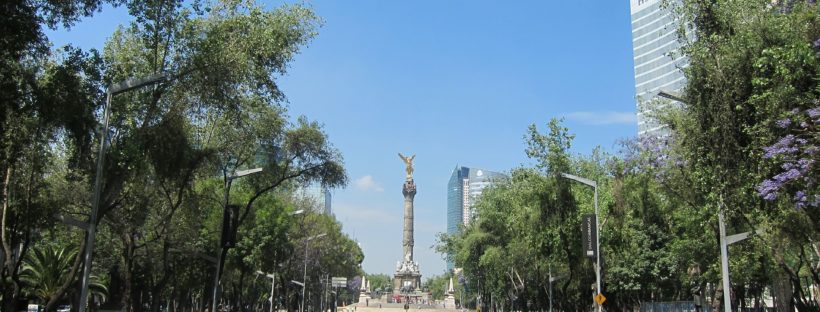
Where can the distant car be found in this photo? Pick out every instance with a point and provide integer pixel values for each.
(64, 308)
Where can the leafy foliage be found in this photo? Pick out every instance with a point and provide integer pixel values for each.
(48, 267)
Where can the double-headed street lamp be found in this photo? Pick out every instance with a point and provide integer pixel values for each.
(552, 280)
(112, 90)
(272, 284)
(304, 276)
(229, 223)
(725, 240)
(273, 276)
(594, 185)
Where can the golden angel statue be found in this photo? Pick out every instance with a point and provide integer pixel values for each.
(409, 162)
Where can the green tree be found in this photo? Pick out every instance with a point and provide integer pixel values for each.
(47, 268)
(527, 225)
(43, 100)
(221, 113)
(438, 284)
(380, 281)
(753, 70)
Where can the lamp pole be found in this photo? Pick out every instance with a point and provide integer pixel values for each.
(273, 275)
(552, 280)
(304, 276)
(594, 185)
(272, 284)
(725, 240)
(550, 268)
(222, 249)
(112, 90)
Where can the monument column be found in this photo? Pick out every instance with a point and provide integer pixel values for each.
(409, 191)
(408, 277)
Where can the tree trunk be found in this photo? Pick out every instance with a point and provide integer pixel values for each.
(7, 271)
(128, 274)
(156, 291)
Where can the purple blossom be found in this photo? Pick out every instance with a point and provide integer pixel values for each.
(804, 164)
(784, 146)
(817, 43)
(787, 176)
(797, 158)
(800, 199)
(768, 190)
(787, 165)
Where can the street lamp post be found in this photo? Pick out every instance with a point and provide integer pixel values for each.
(671, 95)
(550, 267)
(304, 276)
(272, 285)
(553, 279)
(221, 249)
(594, 185)
(273, 275)
(725, 241)
(112, 90)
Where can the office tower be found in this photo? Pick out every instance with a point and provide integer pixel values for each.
(315, 197)
(657, 58)
(463, 189)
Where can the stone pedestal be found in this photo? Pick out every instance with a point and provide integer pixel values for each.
(450, 302)
(450, 299)
(406, 281)
(364, 292)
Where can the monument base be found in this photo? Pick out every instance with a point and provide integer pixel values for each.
(364, 299)
(407, 277)
(450, 302)
(404, 282)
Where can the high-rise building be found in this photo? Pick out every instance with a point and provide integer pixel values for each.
(657, 58)
(463, 189)
(315, 197)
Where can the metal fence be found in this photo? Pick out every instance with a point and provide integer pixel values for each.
(674, 306)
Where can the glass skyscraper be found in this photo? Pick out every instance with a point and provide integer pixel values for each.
(464, 187)
(656, 55)
(316, 197)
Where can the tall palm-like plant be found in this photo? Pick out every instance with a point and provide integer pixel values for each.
(47, 268)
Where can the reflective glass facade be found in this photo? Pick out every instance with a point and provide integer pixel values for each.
(656, 55)
(464, 187)
(316, 197)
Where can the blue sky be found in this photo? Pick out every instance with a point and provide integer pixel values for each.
(454, 82)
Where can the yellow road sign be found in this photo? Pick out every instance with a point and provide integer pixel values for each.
(600, 298)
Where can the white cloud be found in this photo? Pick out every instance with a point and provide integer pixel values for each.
(603, 118)
(367, 183)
